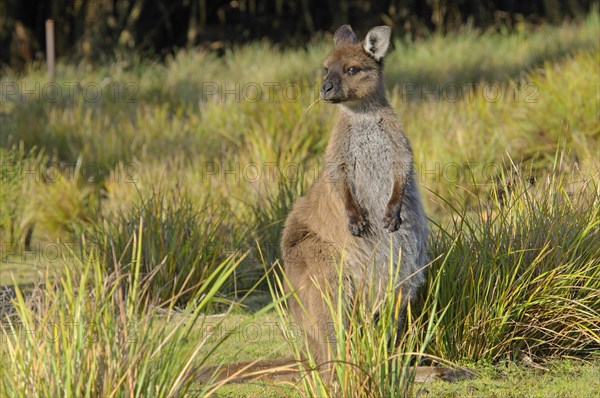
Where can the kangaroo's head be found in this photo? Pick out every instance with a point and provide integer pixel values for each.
(353, 69)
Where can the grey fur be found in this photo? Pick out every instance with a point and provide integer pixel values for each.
(378, 41)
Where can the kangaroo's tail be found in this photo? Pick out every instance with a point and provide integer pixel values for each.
(284, 369)
(289, 369)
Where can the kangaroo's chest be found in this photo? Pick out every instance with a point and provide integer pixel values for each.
(370, 164)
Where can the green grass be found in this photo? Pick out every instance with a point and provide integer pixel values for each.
(522, 276)
(511, 186)
(93, 333)
(183, 239)
(566, 378)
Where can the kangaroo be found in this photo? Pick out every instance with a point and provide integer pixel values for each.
(365, 201)
(364, 207)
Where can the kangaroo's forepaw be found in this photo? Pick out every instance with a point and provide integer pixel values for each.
(358, 225)
(392, 219)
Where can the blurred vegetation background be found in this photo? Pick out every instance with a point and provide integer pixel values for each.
(95, 30)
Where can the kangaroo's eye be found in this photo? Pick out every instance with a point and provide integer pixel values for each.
(325, 70)
(353, 71)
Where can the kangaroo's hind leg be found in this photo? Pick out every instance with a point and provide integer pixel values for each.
(311, 272)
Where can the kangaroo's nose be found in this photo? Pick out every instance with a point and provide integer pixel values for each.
(328, 89)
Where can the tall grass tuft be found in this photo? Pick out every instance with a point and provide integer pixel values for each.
(183, 243)
(91, 333)
(522, 275)
(17, 215)
(39, 191)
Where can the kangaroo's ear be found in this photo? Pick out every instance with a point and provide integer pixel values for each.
(344, 35)
(378, 41)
